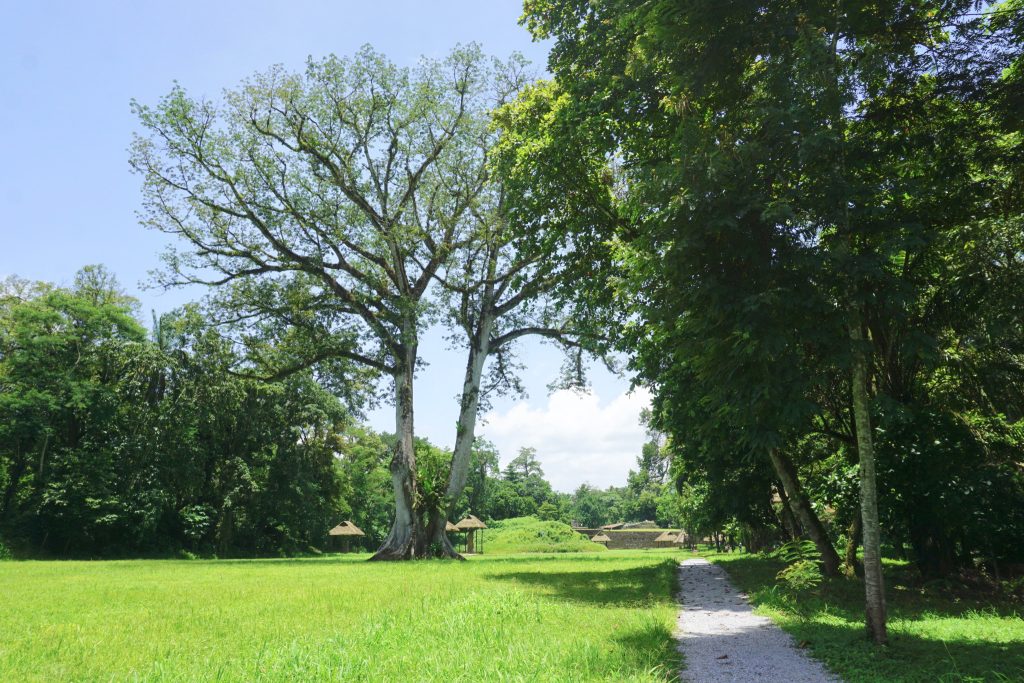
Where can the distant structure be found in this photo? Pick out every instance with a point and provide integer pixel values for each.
(346, 530)
(684, 540)
(666, 540)
(602, 539)
(617, 525)
(646, 524)
(470, 524)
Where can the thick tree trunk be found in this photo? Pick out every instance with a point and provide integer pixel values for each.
(13, 482)
(465, 434)
(874, 587)
(852, 541)
(405, 540)
(805, 514)
(789, 523)
(440, 544)
(933, 550)
(468, 406)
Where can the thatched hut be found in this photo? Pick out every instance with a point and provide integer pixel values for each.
(666, 539)
(616, 525)
(346, 530)
(602, 538)
(449, 527)
(470, 524)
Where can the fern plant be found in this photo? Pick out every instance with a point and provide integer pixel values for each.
(802, 573)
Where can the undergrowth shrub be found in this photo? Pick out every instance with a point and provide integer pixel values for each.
(801, 575)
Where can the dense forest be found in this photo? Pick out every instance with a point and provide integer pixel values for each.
(819, 247)
(117, 440)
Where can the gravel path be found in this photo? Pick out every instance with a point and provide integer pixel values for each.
(723, 640)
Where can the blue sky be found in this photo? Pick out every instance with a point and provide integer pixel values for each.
(68, 71)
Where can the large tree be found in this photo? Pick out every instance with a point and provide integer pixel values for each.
(321, 206)
(519, 271)
(779, 179)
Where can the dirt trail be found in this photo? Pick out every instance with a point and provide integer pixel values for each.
(723, 640)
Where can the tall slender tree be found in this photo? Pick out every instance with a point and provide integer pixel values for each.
(519, 271)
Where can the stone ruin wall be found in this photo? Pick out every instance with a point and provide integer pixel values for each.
(625, 540)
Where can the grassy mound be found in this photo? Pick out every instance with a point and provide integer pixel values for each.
(531, 535)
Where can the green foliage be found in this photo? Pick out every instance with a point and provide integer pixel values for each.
(797, 551)
(548, 512)
(957, 487)
(784, 177)
(363, 459)
(961, 636)
(220, 465)
(5, 552)
(480, 481)
(589, 508)
(801, 576)
(114, 444)
(803, 566)
(532, 535)
(802, 572)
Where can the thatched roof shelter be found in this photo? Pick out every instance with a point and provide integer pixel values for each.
(470, 522)
(470, 525)
(449, 527)
(346, 528)
(616, 525)
(666, 539)
(601, 538)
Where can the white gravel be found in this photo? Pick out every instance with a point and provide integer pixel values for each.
(723, 640)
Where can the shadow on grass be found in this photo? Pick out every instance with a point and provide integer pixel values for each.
(846, 650)
(906, 597)
(611, 587)
(649, 650)
(833, 628)
(312, 561)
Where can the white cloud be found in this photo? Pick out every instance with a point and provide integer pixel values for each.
(577, 439)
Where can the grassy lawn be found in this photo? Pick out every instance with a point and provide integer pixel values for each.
(935, 635)
(585, 617)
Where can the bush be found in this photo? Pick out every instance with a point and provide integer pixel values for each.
(5, 552)
(801, 575)
(803, 570)
(531, 535)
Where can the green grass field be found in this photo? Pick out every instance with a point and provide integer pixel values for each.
(604, 616)
(934, 634)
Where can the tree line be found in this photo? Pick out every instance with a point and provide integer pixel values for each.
(119, 441)
(122, 441)
(819, 256)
